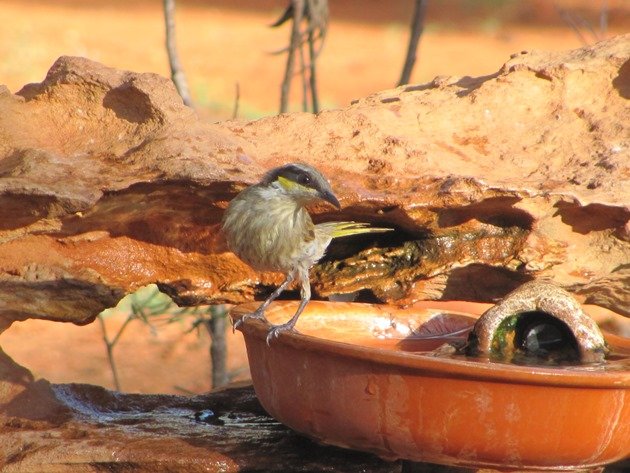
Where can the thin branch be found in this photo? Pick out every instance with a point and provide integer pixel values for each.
(303, 39)
(315, 12)
(318, 17)
(110, 353)
(177, 72)
(122, 329)
(304, 79)
(237, 99)
(313, 70)
(298, 10)
(570, 20)
(417, 26)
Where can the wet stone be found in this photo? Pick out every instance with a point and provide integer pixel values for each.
(221, 431)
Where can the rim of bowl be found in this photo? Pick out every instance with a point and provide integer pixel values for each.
(588, 376)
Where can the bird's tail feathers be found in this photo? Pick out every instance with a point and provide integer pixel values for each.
(342, 229)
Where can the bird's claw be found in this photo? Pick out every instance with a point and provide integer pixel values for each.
(277, 330)
(254, 315)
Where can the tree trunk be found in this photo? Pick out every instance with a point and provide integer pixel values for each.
(216, 327)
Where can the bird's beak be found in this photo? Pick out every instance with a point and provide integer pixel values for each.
(330, 197)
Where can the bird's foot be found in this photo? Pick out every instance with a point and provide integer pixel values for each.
(278, 329)
(258, 314)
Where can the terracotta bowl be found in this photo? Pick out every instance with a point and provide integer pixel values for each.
(355, 377)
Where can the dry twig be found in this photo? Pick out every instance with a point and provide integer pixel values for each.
(177, 73)
(417, 26)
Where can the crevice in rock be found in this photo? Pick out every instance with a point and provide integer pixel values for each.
(378, 214)
(497, 211)
(388, 264)
(19, 210)
(482, 283)
(592, 217)
(131, 104)
(174, 214)
(366, 296)
(622, 81)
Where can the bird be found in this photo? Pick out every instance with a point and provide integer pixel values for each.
(268, 227)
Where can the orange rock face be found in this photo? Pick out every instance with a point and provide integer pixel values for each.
(108, 183)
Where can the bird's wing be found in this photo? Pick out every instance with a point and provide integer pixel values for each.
(342, 229)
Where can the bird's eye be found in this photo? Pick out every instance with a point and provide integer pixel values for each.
(304, 179)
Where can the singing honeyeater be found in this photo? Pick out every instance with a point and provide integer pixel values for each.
(268, 227)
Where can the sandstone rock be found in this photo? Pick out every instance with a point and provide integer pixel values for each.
(108, 183)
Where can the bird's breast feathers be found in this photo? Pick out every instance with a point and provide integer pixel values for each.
(271, 232)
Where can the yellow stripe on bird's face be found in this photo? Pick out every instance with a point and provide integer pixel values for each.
(292, 186)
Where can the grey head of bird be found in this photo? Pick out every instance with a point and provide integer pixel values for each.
(301, 182)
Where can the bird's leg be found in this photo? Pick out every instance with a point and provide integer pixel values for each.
(260, 312)
(305, 292)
